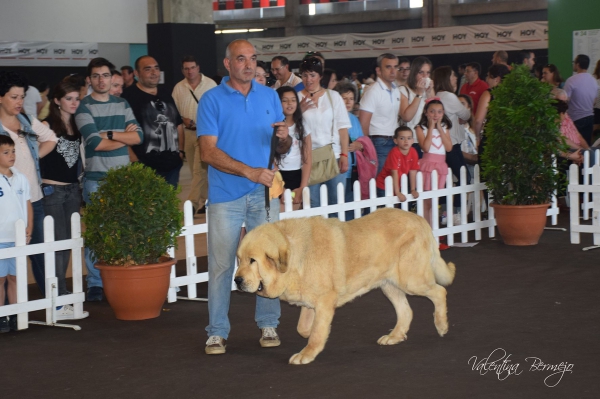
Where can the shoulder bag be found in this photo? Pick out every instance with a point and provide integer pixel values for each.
(324, 165)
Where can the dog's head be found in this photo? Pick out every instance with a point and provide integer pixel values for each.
(263, 259)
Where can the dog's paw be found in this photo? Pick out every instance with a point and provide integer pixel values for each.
(441, 325)
(300, 358)
(391, 339)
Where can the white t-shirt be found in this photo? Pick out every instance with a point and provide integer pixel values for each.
(454, 110)
(318, 121)
(32, 97)
(383, 104)
(411, 96)
(293, 159)
(14, 194)
(437, 147)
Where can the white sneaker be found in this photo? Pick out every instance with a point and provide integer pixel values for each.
(67, 312)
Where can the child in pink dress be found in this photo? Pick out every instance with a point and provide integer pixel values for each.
(434, 139)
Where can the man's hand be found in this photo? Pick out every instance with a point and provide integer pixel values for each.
(262, 176)
(282, 132)
(132, 127)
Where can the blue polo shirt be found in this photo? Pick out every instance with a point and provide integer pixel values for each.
(242, 125)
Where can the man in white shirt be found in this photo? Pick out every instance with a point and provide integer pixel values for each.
(33, 101)
(280, 66)
(187, 94)
(379, 108)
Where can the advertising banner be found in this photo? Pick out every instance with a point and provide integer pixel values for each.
(47, 53)
(412, 42)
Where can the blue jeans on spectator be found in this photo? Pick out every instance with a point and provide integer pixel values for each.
(224, 224)
(93, 278)
(332, 198)
(38, 265)
(61, 205)
(171, 176)
(383, 146)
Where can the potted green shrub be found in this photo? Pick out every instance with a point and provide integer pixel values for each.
(523, 141)
(130, 223)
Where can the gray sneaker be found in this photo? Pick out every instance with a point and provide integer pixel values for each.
(269, 338)
(215, 345)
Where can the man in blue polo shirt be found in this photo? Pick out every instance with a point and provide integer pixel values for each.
(236, 121)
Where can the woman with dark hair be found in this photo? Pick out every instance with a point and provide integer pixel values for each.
(33, 140)
(261, 73)
(551, 76)
(60, 171)
(329, 79)
(419, 88)
(325, 116)
(295, 165)
(445, 84)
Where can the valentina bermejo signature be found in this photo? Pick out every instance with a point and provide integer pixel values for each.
(500, 363)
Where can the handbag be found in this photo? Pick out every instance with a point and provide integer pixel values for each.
(324, 165)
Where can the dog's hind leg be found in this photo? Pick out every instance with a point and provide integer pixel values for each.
(403, 313)
(324, 311)
(305, 322)
(437, 295)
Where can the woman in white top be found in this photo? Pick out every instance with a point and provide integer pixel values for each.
(325, 117)
(33, 140)
(445, 84)
(412, 100)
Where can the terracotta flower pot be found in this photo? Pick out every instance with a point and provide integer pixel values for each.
(520, 224)
(136, 292)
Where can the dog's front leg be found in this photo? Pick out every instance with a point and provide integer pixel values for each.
(305, 322)
(324, 311)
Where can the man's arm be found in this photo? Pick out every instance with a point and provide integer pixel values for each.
(365, 121)
(218, 159)
(181, 140)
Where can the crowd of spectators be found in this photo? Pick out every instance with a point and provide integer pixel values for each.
(407, 115)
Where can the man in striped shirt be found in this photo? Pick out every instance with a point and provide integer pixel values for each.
(108, 127)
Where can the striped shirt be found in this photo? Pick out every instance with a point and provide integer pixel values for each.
(92, 118)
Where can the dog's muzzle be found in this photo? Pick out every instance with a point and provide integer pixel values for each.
(239, 281)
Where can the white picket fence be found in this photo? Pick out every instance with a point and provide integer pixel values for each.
(591, 203)
(586, 172)
(20, 251)
(191, 277)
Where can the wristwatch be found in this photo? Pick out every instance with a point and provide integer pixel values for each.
(109, 135)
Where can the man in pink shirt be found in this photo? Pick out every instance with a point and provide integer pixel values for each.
(474, 87)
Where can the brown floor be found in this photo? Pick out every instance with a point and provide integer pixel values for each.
(537, 301)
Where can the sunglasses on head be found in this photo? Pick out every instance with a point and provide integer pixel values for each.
(314, 61)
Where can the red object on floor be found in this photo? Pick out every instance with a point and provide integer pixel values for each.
(443, 247)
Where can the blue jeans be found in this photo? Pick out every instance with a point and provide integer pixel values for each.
(38, 265)
(61, 205)
(382, 148)
(224, 224)
(171, 176)
(315, 196)
(93, 278)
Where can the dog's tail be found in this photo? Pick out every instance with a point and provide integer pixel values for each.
(444, 272)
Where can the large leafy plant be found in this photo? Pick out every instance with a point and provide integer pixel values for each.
(523, 140)
(133, 217)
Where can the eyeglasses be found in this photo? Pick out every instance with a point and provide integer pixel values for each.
(103, 76)
(403, 69)
(160, 105)
(278, 68)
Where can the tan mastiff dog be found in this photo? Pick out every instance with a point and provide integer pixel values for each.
(321, 264)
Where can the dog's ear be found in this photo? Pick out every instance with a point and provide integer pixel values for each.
(279, 250)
